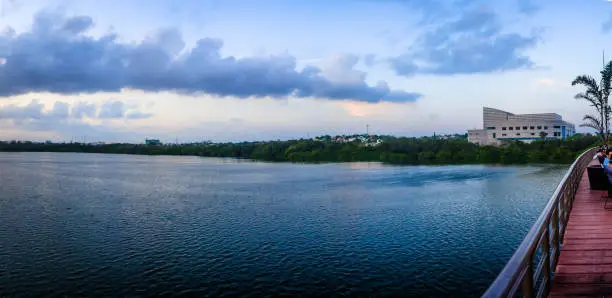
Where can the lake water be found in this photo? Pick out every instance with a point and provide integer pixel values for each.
(115, 225)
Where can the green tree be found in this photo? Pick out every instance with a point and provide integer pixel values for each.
(444, 156)
(597, 95)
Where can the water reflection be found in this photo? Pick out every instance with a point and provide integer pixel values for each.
(115, 225)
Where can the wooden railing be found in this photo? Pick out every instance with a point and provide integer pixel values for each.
(530, 270)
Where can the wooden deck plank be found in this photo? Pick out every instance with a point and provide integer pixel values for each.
(583, 290)
(585, 263)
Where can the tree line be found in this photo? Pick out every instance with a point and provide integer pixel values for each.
(408, 151)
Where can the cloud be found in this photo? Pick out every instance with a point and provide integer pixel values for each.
(34, 110)
(362, 109)
(138, 115)
(57, 56)
(472, 43)
(527, 7)
(434, 11)
(340, 72)
(369, 60)
(112, 109)
(354, 109)
(545, 82)
(439, 10)
(60, 110)
(341, 69)
(607, 25)
(83, 109)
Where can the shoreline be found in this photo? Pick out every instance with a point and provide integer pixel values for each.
(391, 151)
(303, 162)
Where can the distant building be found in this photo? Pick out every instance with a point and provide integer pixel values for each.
(447, 136)
(499, 126)
(152, 142)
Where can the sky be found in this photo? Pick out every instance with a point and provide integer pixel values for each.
(242, 70)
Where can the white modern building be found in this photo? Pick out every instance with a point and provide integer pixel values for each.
(499, 126)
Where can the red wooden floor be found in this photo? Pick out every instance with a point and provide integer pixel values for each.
(585, 263)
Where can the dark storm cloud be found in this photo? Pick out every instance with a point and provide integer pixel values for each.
(57, 56)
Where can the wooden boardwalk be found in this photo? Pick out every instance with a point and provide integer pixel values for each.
(585, 262)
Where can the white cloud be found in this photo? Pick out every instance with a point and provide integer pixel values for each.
(112, 109)
(83, 109)
(545, 82)
(60, 110)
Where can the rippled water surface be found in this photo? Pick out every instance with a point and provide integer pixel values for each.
(115, 225)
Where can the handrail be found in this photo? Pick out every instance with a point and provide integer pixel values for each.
(542, 242)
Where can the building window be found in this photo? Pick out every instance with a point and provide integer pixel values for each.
(539, 127)
(533, 133)
(531, 127)
(524, 127)
(503, 128)
(556, 126)
(518, 134)
(511, 128)
(494, 135)
(503, 134)
(518, 128)
(545, 127)
(491, 127)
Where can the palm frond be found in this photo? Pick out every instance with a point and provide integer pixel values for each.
(594, 123)
(587, 81)
(606, 78)
(591, 119)
(591, 98)
(589, 125)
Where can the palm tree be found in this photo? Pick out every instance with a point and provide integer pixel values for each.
(597, 95)
(594, 123)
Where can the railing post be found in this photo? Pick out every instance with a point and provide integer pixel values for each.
(555, 236)
(562, 214)
(546, 255)
(527, 286)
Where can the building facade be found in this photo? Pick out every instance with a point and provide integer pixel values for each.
(499, 126)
